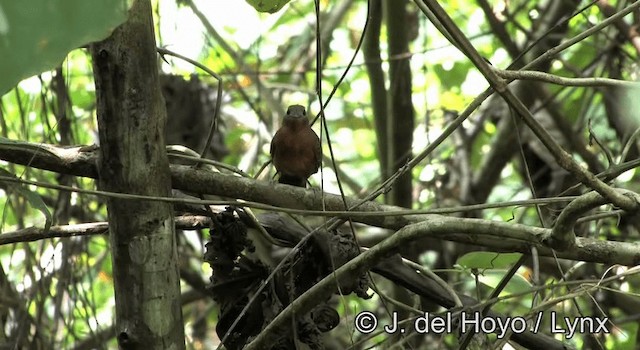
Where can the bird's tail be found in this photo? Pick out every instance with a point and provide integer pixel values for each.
(293, 180)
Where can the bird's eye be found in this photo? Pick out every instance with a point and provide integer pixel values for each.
(304, 112)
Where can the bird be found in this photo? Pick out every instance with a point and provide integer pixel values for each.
(296, 150)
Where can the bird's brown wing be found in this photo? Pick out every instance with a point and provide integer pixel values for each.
(317, 151)
(272, 148)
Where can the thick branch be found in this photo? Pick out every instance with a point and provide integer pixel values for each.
(201, 181)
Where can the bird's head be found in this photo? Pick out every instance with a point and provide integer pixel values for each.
(296, 114)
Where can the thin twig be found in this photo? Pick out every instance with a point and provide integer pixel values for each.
(558, 80)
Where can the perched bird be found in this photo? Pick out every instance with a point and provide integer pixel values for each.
(295, 149)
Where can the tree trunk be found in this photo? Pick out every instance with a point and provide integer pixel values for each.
(131, 120)
(373, 60)
(400, 122)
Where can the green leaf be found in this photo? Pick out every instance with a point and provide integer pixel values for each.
(36, 35)
(488, 260)
(34, 198)
(517, 284)
(454, 77)
(270, 6)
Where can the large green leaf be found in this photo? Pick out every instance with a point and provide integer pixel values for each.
(271, 6)
(517, 284)
(488, 260)
(36, 35)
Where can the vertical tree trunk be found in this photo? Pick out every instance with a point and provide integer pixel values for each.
(400, 122)
(373, 60)
(131, 121)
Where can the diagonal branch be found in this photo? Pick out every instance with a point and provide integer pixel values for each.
(563, 158)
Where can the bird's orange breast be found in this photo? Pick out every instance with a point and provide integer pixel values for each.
(295, 152)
